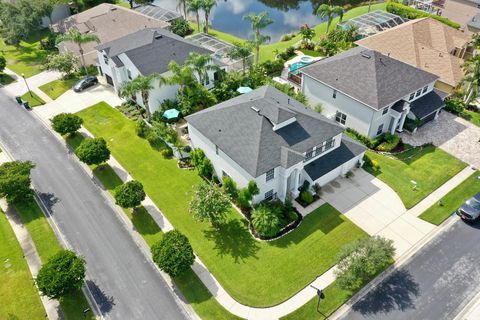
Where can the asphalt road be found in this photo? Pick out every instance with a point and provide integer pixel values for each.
(123, 282)
(436, 283)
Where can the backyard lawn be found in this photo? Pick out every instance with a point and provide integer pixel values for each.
(56, 88)
(28, 57)
(32, 99)
(19, 296)
(244, 266)
(437, 213)
(429, 167)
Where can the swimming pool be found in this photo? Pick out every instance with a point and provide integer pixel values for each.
(297, 65)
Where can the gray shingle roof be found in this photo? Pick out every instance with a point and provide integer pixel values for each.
(247, 136)
(151, 50)
(348, 150)
(369, 76)
(428, 104)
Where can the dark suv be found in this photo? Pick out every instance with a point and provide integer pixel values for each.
(85, 83)
(470, 210)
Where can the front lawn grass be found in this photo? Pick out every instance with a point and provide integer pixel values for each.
(47, 245)
(245, 267)
(474, 117)
(32, 99)
(440, 211)
(28, 56)
(429, 167)
(58, 87)
(19, 296)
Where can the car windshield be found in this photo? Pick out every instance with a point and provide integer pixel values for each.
(473, 203)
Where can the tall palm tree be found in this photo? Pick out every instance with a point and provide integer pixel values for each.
(241, 51)
(182, 6)
(73, 35)
(142, 84)
(327, 11)
(195, 6)
(471, 79)
(207, 6)
(181, 76)
(258, 22)
(200, 64)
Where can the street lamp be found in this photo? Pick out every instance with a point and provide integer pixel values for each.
(26, 83)
(320, 295)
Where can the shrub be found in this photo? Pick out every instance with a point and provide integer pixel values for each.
(266, 220)
(209, 203)
(305, 186)
(390, 142)
(15, 182)
(180, 27)
(66, 123)
(273, 67)
(411, 13)
(306, 197)
(352, 133)
(93, 151)
(173, 254)
(252, 189)
(349, 174)
(230, 187)
(287, 54)
(187, 149)
(130, 194)
(317, 189)
(454, 105)
(167, 153)
(287, 37)
(243, 198)
(375, 165)
(141, 128)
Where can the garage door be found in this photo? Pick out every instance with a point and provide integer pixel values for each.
(428, 118)
(326, 178)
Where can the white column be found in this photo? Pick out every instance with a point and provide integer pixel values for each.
(394, 126)
(402, 121)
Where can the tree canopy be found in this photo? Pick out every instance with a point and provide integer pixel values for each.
(66, 123)
(209, 203)
(15, 181)
(130, 194)
(65, 63)
(173, 254)
(93, 151)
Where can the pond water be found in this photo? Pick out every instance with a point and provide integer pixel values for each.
(288, 16)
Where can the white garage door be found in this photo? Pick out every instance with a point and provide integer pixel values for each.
(326, 178)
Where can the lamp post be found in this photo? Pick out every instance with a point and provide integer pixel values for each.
(26, 83)
(320, 295)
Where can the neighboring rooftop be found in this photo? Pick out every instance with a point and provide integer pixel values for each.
(475, 22)
(264, 129)
(108, 22)
(369, 76)
(151, 50)
(158, 13)
(425, 43)
(373, 22)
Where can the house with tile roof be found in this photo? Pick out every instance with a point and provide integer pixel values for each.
(370, 92)
(268, 137)
(426, 44)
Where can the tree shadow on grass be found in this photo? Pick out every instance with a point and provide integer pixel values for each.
(233, 239)
(104, 302)
(144, 223)
(397, 292)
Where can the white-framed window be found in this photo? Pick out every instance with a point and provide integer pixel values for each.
(385, 111)
(380, 129)
(425, 89)
(411, 96)
(269, 195)
(105, 59)
(334, 95)
(329, 144)
(309, 155)
(419, 92)
(216, 150)
(341, 117)
(129, 74)
(270, 174)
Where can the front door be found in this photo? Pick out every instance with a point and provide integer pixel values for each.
(109, 79)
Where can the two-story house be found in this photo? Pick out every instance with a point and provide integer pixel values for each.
(146, 52)
(270, 138)
(371, 92)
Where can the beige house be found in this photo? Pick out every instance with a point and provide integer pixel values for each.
(460, 11)
(109, 22)
(428, 45)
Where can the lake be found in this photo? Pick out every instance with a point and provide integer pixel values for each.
(288, 16)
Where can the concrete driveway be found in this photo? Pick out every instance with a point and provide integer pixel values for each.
(453, 134)
(376, 208)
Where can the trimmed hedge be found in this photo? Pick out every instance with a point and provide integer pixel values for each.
(411, 13)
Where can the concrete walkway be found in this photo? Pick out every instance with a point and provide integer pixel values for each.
(52, 307)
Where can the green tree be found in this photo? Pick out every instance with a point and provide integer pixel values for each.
(142, 84)
(266, 220)
(44, 8)
(173, 254)
(93, 151)
(258, 22)
(209, 203)
(307, 35)
(62, 274)
(360, 261)
(195, 6)
(207, 6)
(471, 80)
(242, 52)
(66, 123)
(246, 194)
(230, 187)
(18, 20)
(15, 181)
(65, 63)
(200, 64)
(3, 64)
(74, 36)
(130, 195)
(201, 163)
(328, 11)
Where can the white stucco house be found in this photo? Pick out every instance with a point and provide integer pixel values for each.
(145, 52)
(371, 92)
(270, 138)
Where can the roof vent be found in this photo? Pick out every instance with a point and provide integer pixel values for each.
(113, 8)
(255, 109)
(366, 55)
(158, 36)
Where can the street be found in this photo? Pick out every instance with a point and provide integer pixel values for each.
(124, 283)
(436, 283)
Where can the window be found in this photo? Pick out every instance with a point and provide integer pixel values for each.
(309, 155)
(224, 174)
(380, 129)
(334, 94)
(105, 59)
(129, 74)
(411, 96)
(341, 117)
(270, 174)
(269, 195)
(384, 112)
(418, 93)
(425, 89)
(216, 150)
(329, 144)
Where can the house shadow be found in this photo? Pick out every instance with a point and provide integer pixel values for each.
(397, 292)
(233, 238)
(104, 302)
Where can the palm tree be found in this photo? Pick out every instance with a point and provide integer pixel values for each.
(241, 51)
(471, 79)
(307, 34)
(200, 64)
(207, 6)
(195, 6)
(258, 22)
(182, 7)
(327, 11)
(73, 35)
(142, 84)
(181, 76)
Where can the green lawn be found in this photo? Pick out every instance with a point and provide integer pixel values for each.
(437, 213)
(474, 117)
(19, 296)
(245, 267)
(32, 99)
(56, 88)
(47, 245)
(28, 57)
(430, 167)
